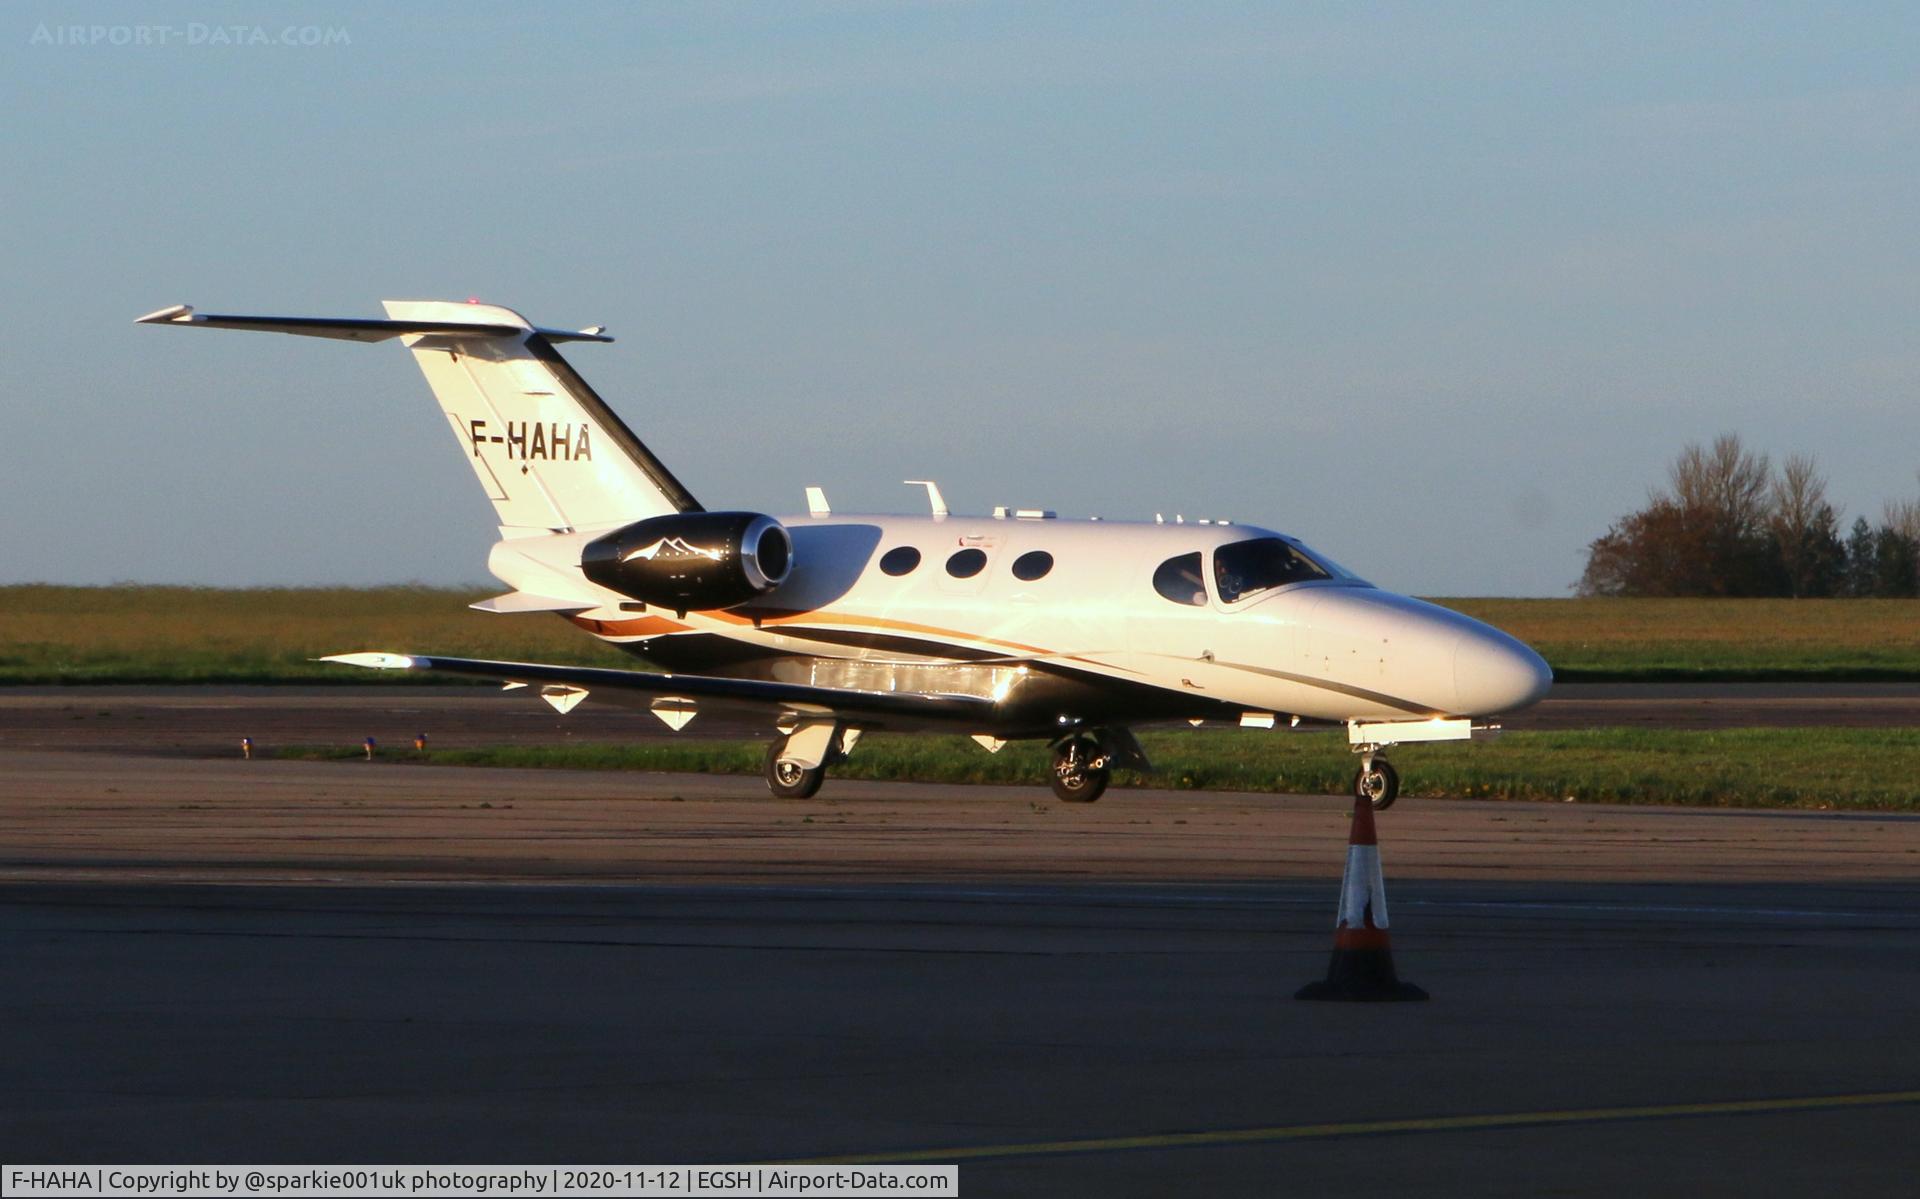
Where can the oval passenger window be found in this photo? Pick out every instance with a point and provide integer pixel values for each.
(900, 560)
(1032, 565)
(1179, 580)
(966, 563)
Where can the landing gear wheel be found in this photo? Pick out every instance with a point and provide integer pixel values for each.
(1378, 784)
(788, 779)
(1075, 778)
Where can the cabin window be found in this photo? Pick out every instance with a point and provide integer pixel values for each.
(1032, 565)
(900, 560)
(967, 563)
(1179, 580)
(1247, 567)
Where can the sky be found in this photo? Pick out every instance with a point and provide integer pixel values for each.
(1439, 288)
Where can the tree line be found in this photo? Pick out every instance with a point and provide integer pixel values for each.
(1729, 524)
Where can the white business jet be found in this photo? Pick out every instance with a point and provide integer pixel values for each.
(1013, 625)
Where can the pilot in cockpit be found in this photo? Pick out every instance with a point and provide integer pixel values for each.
(1227, 580)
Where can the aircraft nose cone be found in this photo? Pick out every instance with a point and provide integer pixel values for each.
(1494, 673)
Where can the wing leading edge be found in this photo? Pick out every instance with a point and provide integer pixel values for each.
(641, 688)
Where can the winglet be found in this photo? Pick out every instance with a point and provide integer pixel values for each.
(372, 661)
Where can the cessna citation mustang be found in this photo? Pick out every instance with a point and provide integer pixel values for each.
(1004, 627)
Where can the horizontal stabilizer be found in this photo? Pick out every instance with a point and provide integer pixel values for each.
(351, 328)
(520, 601)
(544, 447)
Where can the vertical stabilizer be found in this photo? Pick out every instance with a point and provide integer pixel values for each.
(547, 450)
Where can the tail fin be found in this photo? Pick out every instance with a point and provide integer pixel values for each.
(547, 450)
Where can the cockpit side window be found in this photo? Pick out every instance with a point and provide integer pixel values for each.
(1246, 567)
(1179, 580)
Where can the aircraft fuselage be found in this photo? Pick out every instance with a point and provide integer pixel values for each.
(939, 604)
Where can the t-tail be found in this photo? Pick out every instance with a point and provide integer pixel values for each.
(550, 454)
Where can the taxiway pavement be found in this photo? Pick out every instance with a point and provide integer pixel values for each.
(211, 720)
(218, 960)
(1054, 1039)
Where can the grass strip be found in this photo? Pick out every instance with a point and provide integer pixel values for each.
(164, 635)
(171, 635)
(1713, 640)
(1856, 769)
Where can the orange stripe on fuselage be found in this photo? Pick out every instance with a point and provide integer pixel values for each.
(649, 626)
(881, 622)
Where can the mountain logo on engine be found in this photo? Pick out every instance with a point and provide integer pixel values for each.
(671, 548)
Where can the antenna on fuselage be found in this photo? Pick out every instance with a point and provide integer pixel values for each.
(935, 500)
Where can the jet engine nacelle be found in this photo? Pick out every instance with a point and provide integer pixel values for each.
(692, 561)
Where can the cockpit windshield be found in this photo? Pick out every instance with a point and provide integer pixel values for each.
(1247, 567)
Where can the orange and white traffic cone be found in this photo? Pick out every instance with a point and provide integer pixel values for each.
(1362, 966)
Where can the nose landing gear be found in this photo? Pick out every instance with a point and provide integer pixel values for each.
(1377, 782)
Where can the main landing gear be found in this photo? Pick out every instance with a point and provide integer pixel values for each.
(1377, 782)
(797, 761)
(1083, 759)
(788, 779)
(1081, 769)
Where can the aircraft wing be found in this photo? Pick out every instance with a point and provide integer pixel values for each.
(564, 686)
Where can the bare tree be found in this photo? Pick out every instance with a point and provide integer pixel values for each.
(1805, 529)
(1903, 517)
(1726, 486)
(1799, 490)
(1899, 564)
(1721, 494)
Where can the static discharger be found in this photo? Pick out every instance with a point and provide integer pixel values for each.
(1362, 965)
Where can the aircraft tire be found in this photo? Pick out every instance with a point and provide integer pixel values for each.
(1379, 786)
(790, 780)
(1080, 786)
(1086, 786)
